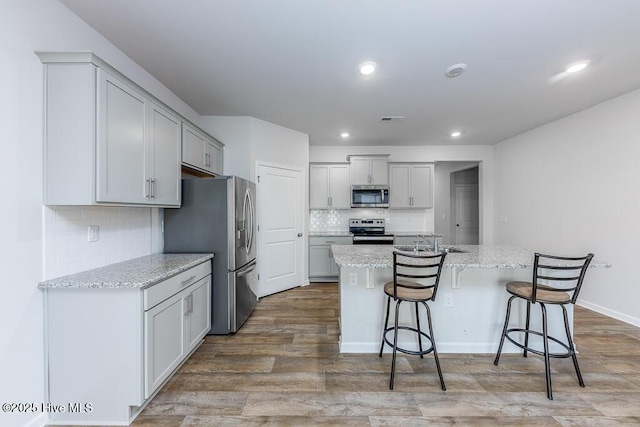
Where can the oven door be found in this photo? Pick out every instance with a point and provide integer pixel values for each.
(369, 196)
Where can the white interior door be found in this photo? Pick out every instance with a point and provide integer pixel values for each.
(280, 223)
(467, 215)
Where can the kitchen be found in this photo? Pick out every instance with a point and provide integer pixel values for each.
(591, 152)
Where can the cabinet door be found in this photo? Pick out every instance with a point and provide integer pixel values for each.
(121, 147)
(379, 171)
(193, 147)
(339, 188)
(360, 171)
(213, 157)
(318, 187)
(400, 186)
(199, 321)
(319, 261)
(164, 340)
(164, 158)
(421, 186)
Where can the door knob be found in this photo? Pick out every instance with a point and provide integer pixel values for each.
(299, 234)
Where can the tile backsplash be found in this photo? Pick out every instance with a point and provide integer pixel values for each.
(124, 233)
(396, 219)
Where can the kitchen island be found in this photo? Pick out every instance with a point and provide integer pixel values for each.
(470, 307)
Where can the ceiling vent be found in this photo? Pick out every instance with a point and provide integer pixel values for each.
(391, 119)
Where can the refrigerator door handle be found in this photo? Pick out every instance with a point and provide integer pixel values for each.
(248, 269)
(251, 222)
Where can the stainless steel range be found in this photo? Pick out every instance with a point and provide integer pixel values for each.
(369, 232)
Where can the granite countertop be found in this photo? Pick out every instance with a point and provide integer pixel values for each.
(135, 273)
(415, 233)
(395, 233)
(330, 234)
(475, 256)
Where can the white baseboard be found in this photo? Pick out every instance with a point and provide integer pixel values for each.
(635, 321)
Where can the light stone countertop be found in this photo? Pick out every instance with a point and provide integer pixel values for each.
(476, 256)
(135, 273)
(330, 234)
(415, 233)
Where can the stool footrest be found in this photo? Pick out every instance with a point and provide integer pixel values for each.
(568, 353)
(404, 350)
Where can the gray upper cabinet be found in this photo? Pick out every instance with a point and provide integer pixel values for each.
(369, 170)
(201, 151)
(329, 186)
(410, 185)
(106, 142)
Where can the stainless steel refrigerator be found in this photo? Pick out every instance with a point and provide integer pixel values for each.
(218, 216)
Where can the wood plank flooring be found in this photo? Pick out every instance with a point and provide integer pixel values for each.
(283, 368)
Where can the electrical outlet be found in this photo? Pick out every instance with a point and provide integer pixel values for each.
(448, 300)
(502, 219)
(93, 233)
(353, 279)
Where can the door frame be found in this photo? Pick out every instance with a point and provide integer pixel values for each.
(304, 260)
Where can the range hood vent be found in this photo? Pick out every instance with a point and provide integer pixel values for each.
(391, 119)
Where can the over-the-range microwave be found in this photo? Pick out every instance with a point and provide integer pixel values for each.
(369, 196)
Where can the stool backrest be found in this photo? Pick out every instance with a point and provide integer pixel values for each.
(417, 268)
(567, 273)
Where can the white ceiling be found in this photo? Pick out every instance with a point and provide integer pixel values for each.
(294, 62)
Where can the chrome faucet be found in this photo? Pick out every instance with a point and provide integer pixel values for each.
(433, 246)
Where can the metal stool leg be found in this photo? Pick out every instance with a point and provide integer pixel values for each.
(395, 346)
(386, 324)
(526, 329)
(572, 348)
(545, 339)
(419, 334)
(504, 331)
(433, 344)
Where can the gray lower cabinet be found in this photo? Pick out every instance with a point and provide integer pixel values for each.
(322, 267)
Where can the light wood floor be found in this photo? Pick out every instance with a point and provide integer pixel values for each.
(283, 368)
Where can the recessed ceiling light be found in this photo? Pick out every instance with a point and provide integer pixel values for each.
(578, 66)
(345, 134)
(455, 70)
(367, 68)
(456, 134)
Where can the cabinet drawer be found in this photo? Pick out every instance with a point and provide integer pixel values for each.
(329, 240)
(163, 290)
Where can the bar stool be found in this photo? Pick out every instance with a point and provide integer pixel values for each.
(563, 277)
(407, 268)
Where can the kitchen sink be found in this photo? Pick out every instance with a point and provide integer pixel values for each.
(425, 248)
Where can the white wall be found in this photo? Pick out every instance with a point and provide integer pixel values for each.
(483, 154)
(235, 133)
(572, 187)
(25, 27)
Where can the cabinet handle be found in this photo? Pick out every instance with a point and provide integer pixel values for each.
(147, 188)
(186, 306)
(153, 188)
(190, 303)
(184, 282)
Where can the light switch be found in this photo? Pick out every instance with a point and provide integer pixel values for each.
(502, 219)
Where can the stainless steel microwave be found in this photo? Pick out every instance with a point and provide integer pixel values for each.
(369, 196)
